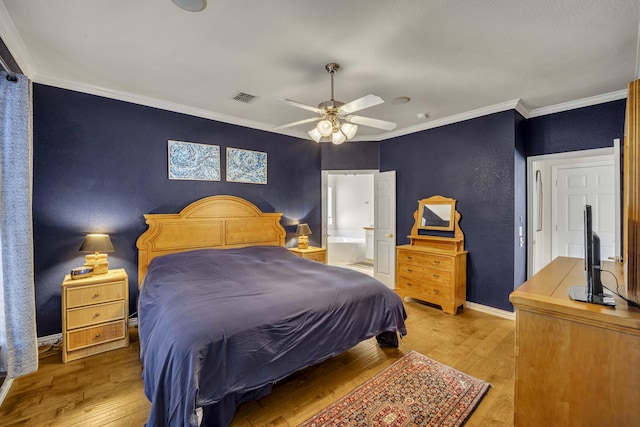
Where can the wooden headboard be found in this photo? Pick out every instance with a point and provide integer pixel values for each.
(212, 222)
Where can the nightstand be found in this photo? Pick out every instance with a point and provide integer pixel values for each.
(95, 313)
(313, 253)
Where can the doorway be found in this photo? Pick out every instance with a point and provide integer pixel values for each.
(358, 221)
(558, 187)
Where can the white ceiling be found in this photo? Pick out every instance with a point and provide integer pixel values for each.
(455, 59)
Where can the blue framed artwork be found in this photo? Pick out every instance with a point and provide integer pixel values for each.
(246, 166)
(191, 161)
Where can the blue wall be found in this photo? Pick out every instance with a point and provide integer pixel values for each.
(580, 129)
(100, 164)
(355, 155)
(520, 203)
(472, 162)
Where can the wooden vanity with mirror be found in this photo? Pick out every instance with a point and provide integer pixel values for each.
(433, 266)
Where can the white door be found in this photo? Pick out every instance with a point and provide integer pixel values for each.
(576, 186)
(384, 256)
(325, 207)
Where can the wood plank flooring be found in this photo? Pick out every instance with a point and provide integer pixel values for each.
(107, 389)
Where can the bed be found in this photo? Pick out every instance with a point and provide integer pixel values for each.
(225, 310)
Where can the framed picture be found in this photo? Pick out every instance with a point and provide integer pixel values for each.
(246, 166)
(191, 161)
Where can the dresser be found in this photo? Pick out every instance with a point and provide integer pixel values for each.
(577, 364)
(432, 268)
(312, 253)
(94, 314)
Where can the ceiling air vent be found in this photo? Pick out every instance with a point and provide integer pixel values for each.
(244, 97)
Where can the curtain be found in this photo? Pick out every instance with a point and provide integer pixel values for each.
(18, 336)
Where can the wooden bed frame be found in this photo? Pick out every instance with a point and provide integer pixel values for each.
(212, 222)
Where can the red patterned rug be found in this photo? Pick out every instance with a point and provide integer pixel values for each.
(413, 391)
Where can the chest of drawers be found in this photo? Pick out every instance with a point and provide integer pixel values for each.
(94, 314)
(436, 277)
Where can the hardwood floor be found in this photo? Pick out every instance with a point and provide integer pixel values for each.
(107, 389)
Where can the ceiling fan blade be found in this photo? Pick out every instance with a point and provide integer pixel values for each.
(374, 123)
(299, 105)
(361, 103)
(289, 125)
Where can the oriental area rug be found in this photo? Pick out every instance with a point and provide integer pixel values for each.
(413, 391)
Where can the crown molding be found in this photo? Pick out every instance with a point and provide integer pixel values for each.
(579, 103)
(14, 43)
(148, 101)
(484, 111)
(515, 104)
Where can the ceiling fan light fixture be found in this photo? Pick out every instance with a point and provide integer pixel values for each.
(324, 127)
(191, 5)
(315, 134)
(349, 129)
(336, 122)
(338, 137)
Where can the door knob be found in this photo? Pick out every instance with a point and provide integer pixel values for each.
(388, 235)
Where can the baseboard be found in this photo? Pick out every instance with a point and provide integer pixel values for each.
(4, 389)
(49, 340)
(491, 310)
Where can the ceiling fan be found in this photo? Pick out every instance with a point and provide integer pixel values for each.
(335, 119)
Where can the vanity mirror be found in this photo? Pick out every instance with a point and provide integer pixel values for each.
(436, 213)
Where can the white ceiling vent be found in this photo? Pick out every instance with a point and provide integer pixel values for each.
(244, 97)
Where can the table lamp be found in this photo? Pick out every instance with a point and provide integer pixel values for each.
(94, 244)
(303, 232)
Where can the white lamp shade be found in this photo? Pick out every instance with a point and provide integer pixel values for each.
(324, 127)
(338, 138)
(349, 130)
(315, 134)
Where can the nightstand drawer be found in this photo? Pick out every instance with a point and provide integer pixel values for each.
(91, 336)
(94, 314)
(318, 256)
(86, 295)
(313, 253)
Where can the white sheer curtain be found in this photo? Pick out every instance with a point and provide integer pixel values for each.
(19, 353)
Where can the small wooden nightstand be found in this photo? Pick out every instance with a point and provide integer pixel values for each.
(313, 253)
(95, 313)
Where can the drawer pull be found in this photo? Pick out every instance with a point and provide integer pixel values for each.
(98, 335)
(409, 270)
(96, 315)
(436, 262)
(410, 258)
(435, 291)
(96, 295)
(437, 276)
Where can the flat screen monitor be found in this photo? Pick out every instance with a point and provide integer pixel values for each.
(592, 291)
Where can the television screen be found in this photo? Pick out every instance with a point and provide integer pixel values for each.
(592, 291)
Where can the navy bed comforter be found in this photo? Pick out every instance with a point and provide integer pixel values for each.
(219, 326)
